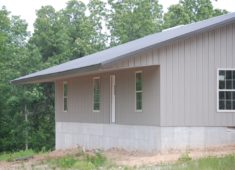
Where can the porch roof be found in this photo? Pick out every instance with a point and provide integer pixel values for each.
(97, 60)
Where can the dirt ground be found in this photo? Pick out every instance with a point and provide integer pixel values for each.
(122, 157)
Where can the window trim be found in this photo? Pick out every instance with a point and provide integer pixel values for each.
(218, 90)
(93, 83)
(138, 110)
(65, 83)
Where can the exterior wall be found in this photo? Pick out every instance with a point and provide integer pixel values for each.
(184, 115)
(188, 77)
(145, 138)
(80, 98)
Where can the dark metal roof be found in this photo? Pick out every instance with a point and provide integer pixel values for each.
(115, 53)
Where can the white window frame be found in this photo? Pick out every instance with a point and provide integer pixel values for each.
(218, 90)
(93, 86)
(140, 91)
(65, 97)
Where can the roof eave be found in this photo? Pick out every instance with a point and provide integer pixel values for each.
(55, 76)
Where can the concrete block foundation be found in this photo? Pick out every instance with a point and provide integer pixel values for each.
(142, 138)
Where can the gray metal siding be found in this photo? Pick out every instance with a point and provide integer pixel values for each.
(80, 97)
(80, 100)
(188, 84)
(125, 96)
(197, 86)
(188, 77)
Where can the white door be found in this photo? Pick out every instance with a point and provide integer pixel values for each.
(112, 98)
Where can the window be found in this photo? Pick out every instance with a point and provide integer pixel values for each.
(96, 94)
(138, 91)
(65, 90)
(226, 90)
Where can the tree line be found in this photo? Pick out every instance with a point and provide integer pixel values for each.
(27, 111)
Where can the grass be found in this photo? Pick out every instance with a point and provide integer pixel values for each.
(97, 160)
(207, 163)
(184, 158)
(16, 155)
(185, 162)
(82, 161)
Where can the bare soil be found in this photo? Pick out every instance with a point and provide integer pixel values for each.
(122, 157)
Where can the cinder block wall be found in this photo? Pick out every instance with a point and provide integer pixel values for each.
(142, 138)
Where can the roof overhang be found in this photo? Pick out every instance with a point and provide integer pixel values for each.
(59, 75)
(99, 61)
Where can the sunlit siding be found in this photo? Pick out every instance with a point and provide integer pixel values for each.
(188, 76)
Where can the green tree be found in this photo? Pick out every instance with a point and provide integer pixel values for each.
(69, 33)
(14, 60)
(130, 19)
(49, 35)
(18, 57)
(97, 17)
(60, 36)
(188, 11)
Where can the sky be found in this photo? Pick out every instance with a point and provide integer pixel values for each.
(27, 8)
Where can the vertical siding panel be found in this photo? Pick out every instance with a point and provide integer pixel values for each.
(193, 82)
(70, 98)
(175, 92)
(58, 102)
(125, 64)
(60, 94)
(74, 90)
(187, 72)
(229, 51)
(181, 97)
(116, 65)
(199, 76)
(119, 64)
(78, 98)
(233, 45)
(131, 61)
(163, 82)
(156, 56)
(137, 60)
(86, 98)
(105, 98)
(151, 93)
(122, 89)
(217, 65)
(223, 64)
(150, 57)
(143, 59)
(233, 57)
(212, 79)
(87, 101)
(169, 82)
(229, 46)
(95, 116)
(205, 87)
